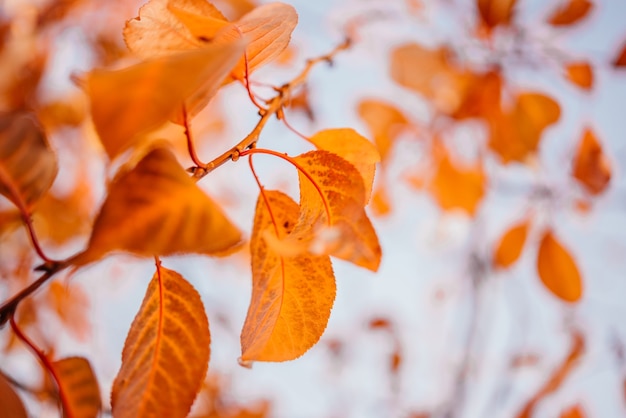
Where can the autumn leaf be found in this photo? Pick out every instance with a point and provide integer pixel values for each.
(27, 164)
(558, 376)
(591, 166)
(352, 147)
(12, 405)
(580, 73)
(71, 306)
(385, 123)
(333, 219)
(620, 59)
(496, 12)
(557, 269)
(157, 209)
(157, 31)
(78, 387)
(291, 296)
(166, 352)
(511, 245)
(570, 12)
(125, 104)
(516, 134)
(575, 411)
(456, 187)
(481, 98)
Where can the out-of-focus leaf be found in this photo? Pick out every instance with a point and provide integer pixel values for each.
(496, 12)
(511, 245)
(291, 296)
(620, 58)
(72, 306)
(575, 411)
(570, 12)
(157, 209)
(591, 166)
(125, 104)
(166, 352)
(557, 269)
(481, 98)
(384, 121)
(27, 164)
(78, 387)
(10, 402)
(352, 147)
(456, 187)
(581, 74)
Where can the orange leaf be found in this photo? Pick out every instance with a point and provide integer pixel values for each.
(384, 121)
(166, 352)
(620, 59)
(336, 225)
(157, 209)
(381, 204)
(158, 31)
(12, 405)
(516, 134)
(454, 187)
(72, 307)
(481, 99)
(575, 411)
(291, 296)
(128, 103)
(78, 387)
(27, 164)
(557, 269)
(558, 377)
(591, 166)
(511, 245)
(496, 12)
(570, 12)
(581, 74)
(352, 147)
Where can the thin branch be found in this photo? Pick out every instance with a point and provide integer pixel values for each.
(274, 105)
(190, 147)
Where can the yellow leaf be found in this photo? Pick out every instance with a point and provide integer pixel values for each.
(591, 166)
(511, 245)
(166, 352)
(78, 387)
(158, 31)
(27, 164)
(157, 209)
(125, 104)
(336, 225)
(291, 296)
(516, 134)
(12, 405)
(570, 12)
(352, 147)
(384, 121)
(496, 12)
(581, 74)
(454, 187)
(557, 269)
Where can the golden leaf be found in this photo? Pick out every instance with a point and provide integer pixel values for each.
(511, 245)
(27, 164)
(591, 166)
(557, 269)
(125, 104)
(78, 387)
(157, 209)
(570, 12)
(12, 405)
(335, 222)
(291, 296)
(580, 73)
(166, 352)
(385, 123)
(158, 31)
(352, 147)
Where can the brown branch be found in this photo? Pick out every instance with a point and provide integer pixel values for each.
(274, 106)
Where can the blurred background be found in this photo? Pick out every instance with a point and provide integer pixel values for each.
(488, 115)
